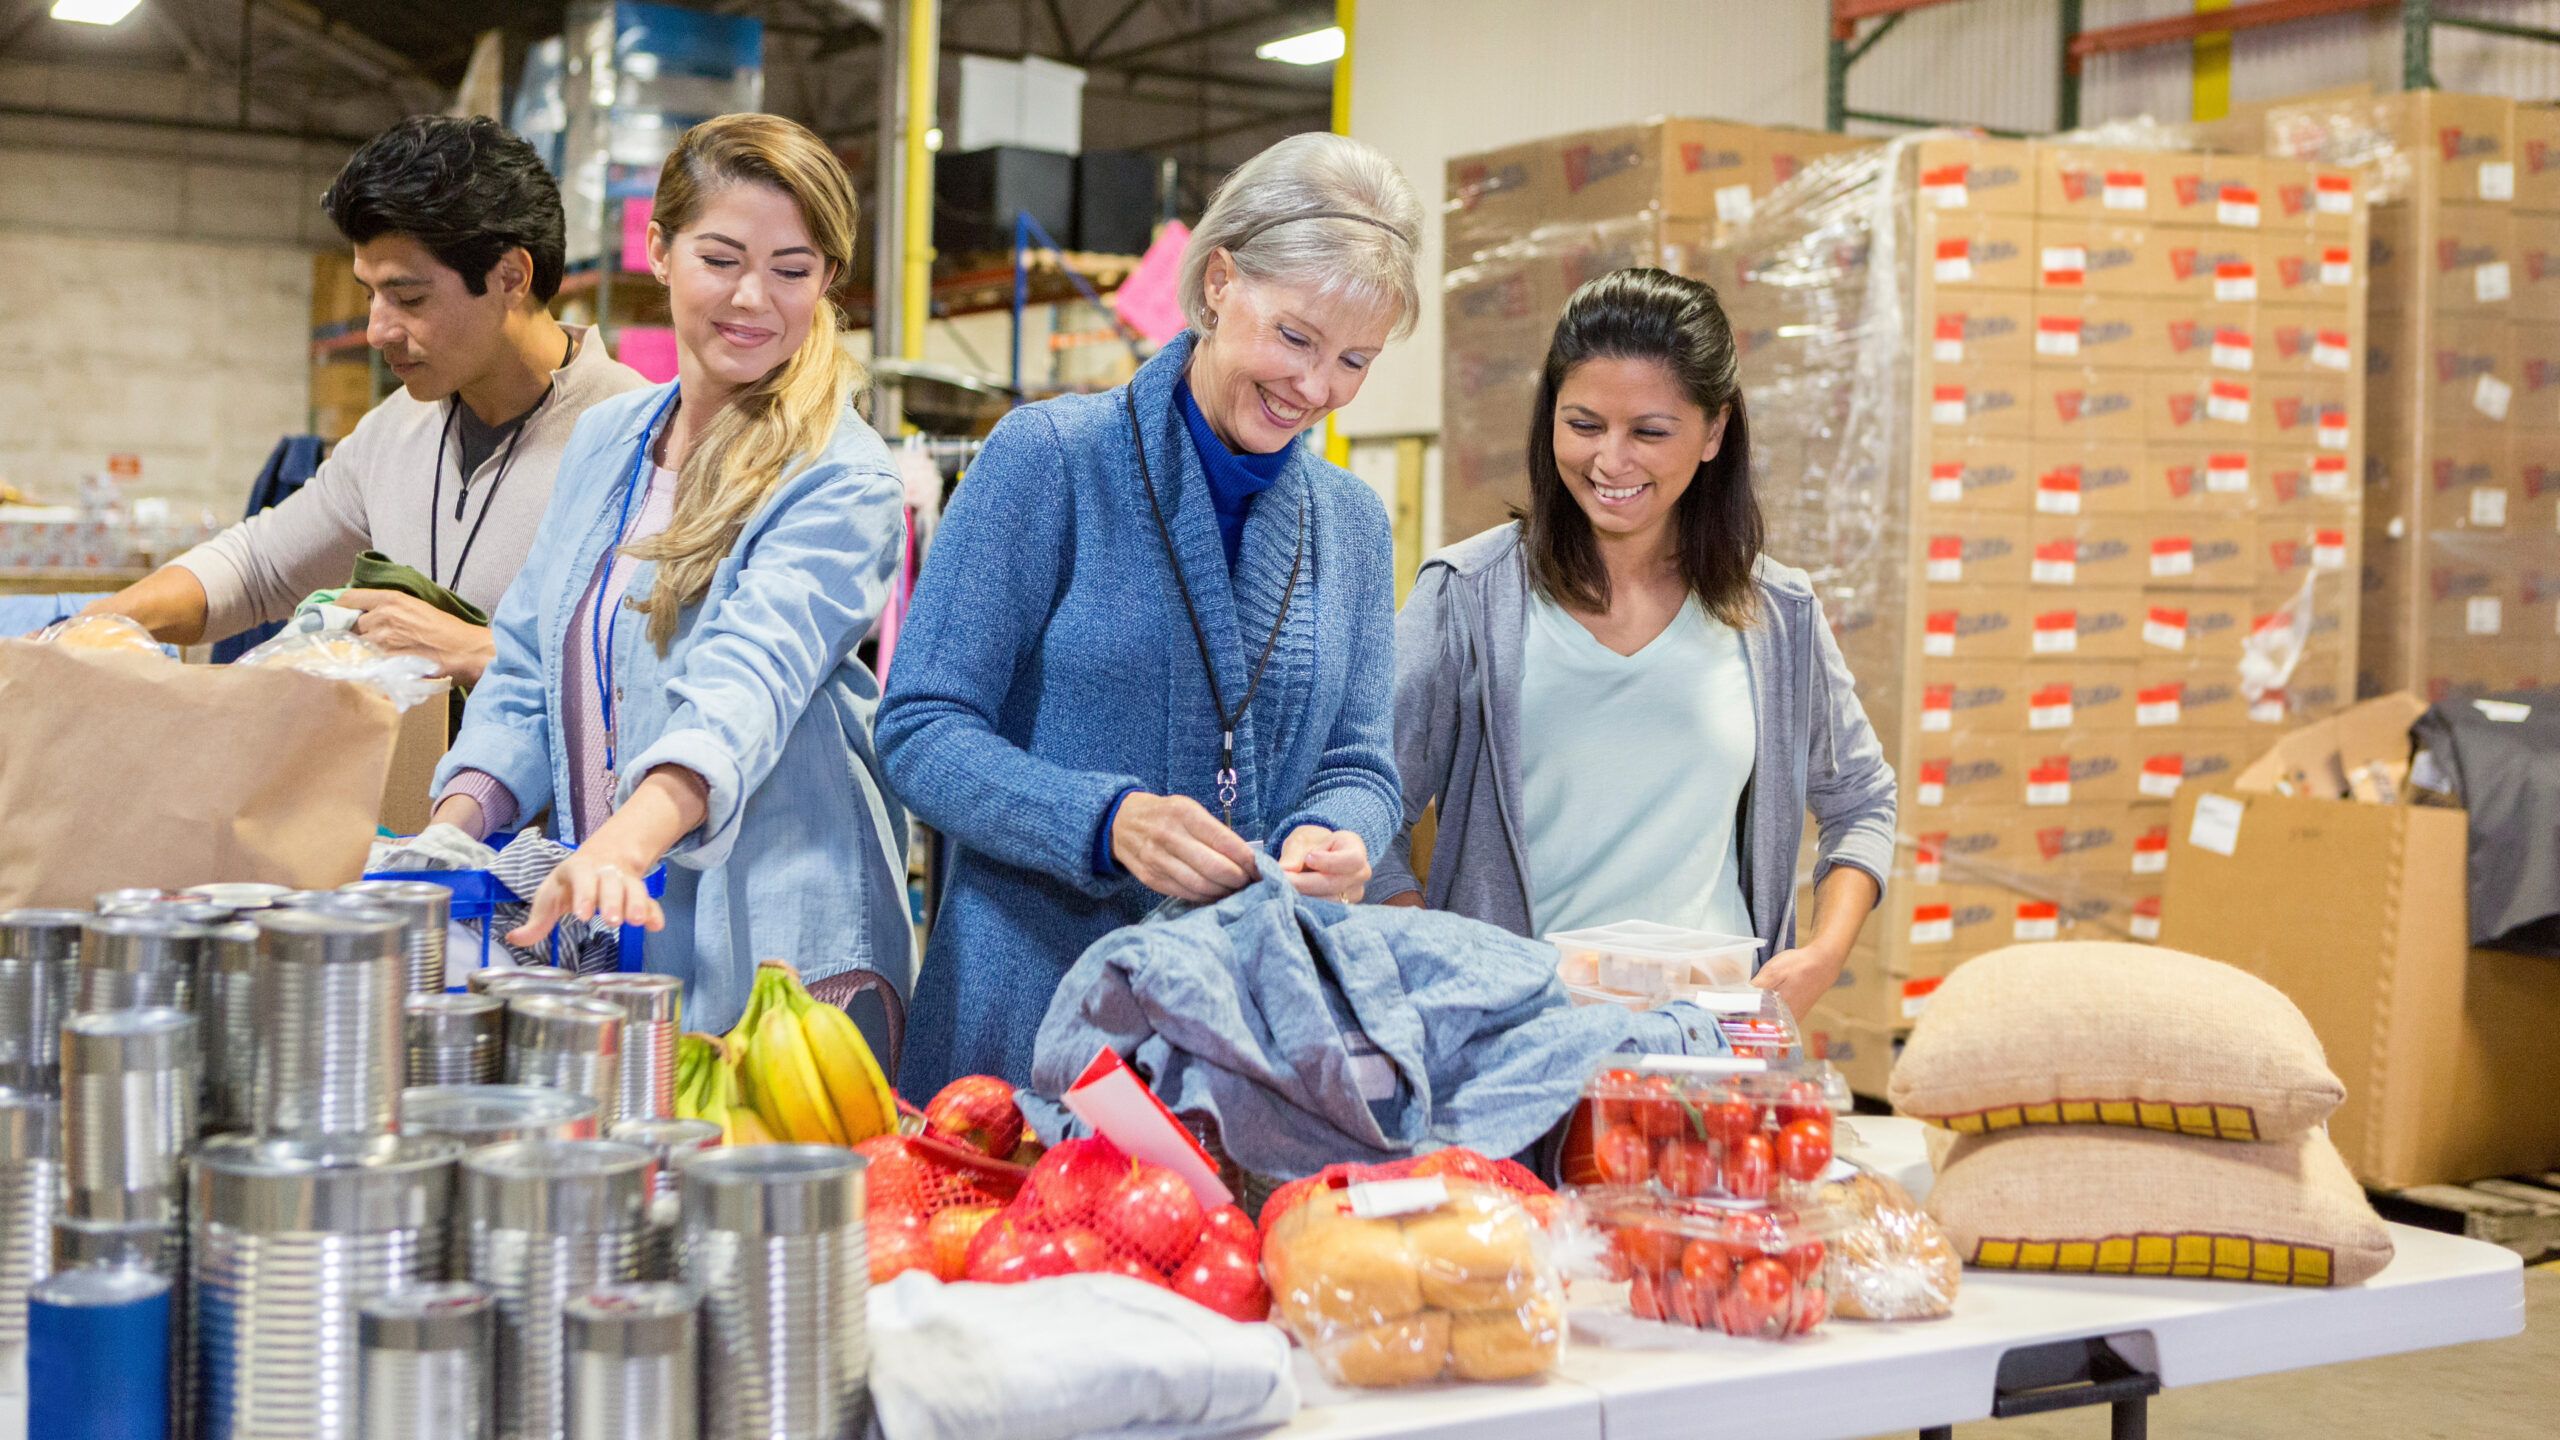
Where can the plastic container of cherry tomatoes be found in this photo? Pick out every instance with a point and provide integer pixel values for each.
(1686, 1128)
(1752, 1271)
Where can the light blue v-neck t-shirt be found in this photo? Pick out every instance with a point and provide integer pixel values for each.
(1632, 769)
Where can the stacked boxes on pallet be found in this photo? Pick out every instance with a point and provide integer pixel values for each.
(2058, 430)
(2462, 501)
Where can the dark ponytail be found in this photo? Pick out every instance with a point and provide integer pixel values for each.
(1647, 314)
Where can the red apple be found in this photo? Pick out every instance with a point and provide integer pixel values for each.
(900, 1247)
(1076, 1251)
(1131, 1266)
(1153, 1215)
(952, 1232)
(976, 1111)
(894, 1182)
(1070, 1181)
(1228, 1223)
(1225, 1277)
(996, 1256)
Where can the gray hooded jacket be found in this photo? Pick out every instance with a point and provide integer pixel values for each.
(1458, 741)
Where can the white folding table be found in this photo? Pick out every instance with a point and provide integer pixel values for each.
(1857, 1379)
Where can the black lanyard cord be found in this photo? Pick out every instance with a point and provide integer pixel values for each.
(1227, 721)
(435, 503)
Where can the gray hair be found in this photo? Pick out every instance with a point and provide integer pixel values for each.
(1319, 210)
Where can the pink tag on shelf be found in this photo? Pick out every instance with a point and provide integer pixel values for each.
(635, 234)
(649, 349)
(1150, 300)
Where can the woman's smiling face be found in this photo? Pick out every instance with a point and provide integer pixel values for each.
(1280, 358)
(1629, 442)
(743, 282)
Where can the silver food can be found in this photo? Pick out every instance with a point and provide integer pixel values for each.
(30, 1176)
(134, 898)
(480, 981)
(423, 1357)
(240, 896)
(159, 1246)
(454, 1039)
(229, 1023)
(670, 1141)
(285, 1251)
(543, 1222)
(330, 1060)
(128, 1114)
(425, 910)
(652, 1009)
(538, 982)
(634, 1363)
(132, 960)
(39, 965)
(774, 1241)
(304, 900)
(569, 1043)
(482, 1115)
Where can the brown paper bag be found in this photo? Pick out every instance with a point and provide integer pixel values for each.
(120, 770)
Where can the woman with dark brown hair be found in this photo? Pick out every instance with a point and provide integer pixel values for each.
(1622, 707)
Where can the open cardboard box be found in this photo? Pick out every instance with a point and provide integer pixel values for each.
(2302, 873)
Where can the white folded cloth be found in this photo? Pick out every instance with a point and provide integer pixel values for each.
(1075, 1355)
(438, 847)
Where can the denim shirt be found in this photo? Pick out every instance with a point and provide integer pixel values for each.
(801, 856)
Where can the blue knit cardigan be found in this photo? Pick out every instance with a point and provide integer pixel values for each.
(1047, 666)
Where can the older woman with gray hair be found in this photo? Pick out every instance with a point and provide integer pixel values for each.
(1155, 638)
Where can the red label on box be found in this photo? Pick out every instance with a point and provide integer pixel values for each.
(2038, 910)
(1957, 249)
(2064, 481)
(1944, 175)
(1946, 547)
(2058, 620)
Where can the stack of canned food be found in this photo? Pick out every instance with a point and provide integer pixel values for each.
(262, 1174)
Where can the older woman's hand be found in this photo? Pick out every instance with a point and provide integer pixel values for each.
(1172, 845)
(1327, 864)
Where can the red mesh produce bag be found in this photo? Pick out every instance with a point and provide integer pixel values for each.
(925, 1201)
(1087, 1208)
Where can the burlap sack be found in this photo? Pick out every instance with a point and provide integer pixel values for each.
(2091, 1200)
(2087, 1033)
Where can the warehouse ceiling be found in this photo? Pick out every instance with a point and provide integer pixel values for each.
(1176, 76)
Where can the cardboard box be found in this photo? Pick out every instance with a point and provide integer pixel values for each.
(2292, 547)
(337, 298)
(1973, 250)
(2300, 266)
(1978, 623)
(1979, 327)
(2470, 377)
(2088, 551)
(2080, 256)
(1970, 698)
(2083, 625)
(2201, 410)
(2534, 461)
(343, 385)
(2326, 198)
(2169, 763)
(1971, 473)
(1991, 402)
(2465, 668)
(1973, 547)
(2072, 480)
(1996, 176)
(2200, 551)
(2463, 145)
(1978, 845)
(2186, 480)
(2475, 584)
(2536, 403)
(2177, 693)
(2307, 340)
(2216, 266)
(2537, 268)
(2073, 329)
(2445, 1051)
(2052, 853)
(1941, 927)
(2182, 334)
(2067, 770)
(2206, 189)
(1783, 152)
(2089, 406)
(424, 735)
(2453, 259)
(2305, 412)
(2111, 184)
(1953, 772)
(1862, 1051)
(2470, 481)
(2537, 158)
(2197, 624)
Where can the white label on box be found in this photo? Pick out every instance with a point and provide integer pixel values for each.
(2057, 499)
(2333, 431)
(2147, 927)
(2227, 474)
(1915, 995)
(2329, 352)
(2233, 351)
(2269, 710)
(1928, 868)
(1947, 407)
(2329, 475)
(2337, 267)
(1386, 1199)
(2156, 712)
(1937, 642)
(2160, 784)
(2329, 550)
(1946, 571)
(1955, 268)
(1932, 793)
(1947, 350)
(1733, 204)
(2235, 282)
(2491, 283)
(2166, 629)
(2049, 717)
(2124, 191)
(2057, 642)
(1946, 484)
(2491, 396)
(1946, 195)
(2505, 712)
(2038, 927)
(2334, 195)
(2061, 340)
(2172, 557)
(2480, 615)
(2150, 862)
(2237, 207)
(1932, 930)
(1935, 722)
(2489, 507)
(2228, 402)
(2217, 824)
(2497, 180)
(2055, 572)
(2048, 792)
(2065, 264)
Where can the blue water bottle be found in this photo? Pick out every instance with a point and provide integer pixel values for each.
(98, 1355)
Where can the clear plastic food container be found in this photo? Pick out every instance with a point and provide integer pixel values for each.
(1757, 1271)
(1641, 963)
(1746, 1131)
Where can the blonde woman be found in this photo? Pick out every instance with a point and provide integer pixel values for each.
(1155, 637)
(675, 678)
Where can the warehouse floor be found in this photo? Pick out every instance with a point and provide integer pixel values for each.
(2507, 1390)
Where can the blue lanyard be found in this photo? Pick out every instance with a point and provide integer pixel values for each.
(606, 617)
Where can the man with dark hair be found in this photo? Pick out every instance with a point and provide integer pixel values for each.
(457, 232)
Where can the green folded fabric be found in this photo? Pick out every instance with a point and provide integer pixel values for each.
(377, 571)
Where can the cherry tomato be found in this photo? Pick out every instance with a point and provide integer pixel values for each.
(1648, 1248)
(1625, 1157)
(1804, 1149)
(1659, 1114)
(1642, 1298)
(1813, 1306)
(1706, 1266)
(1759, 1300)
(1750, 1167)
(1728, 1121)
(1686, 1168)
(1612, 1084)
(1684, 1303)
(1803, 1102)
(1805, 1261)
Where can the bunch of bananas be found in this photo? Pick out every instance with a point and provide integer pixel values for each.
(793, 1068)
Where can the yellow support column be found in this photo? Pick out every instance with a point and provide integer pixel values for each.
(1337, 446)
(2212, 67)
(923, 36)
(1407, 519)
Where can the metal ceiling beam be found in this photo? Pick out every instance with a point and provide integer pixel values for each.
(169, 122)
(1313, 117)
(1262, 20)
(1112, 26)
(349, 47)
(30, 15)
(2143, 35)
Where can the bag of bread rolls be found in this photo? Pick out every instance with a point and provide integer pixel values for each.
(1397, 1282)
(1890, 1261)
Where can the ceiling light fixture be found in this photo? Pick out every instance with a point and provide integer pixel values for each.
(93, 12)
(1316, 47)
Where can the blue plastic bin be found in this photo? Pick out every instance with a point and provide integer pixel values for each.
(477, 894)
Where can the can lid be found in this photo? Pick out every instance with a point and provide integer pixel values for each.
(241, 895)
(149, 940)
(479, 981)
(447, 1315)
(339, 933)
(422, 901)
(196, 910)
(563, 1022)
(155, 1037)
(772, 1189)
(34, 933)
(558, 1187)
(111, 900)
(632, 1320)
(667, 1137)
(304, 899)
(30, 1128)
(560, 982)
(98, 1287)
(440, 1005)
(644, 999)
(266, 1188)
(478, 1114)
